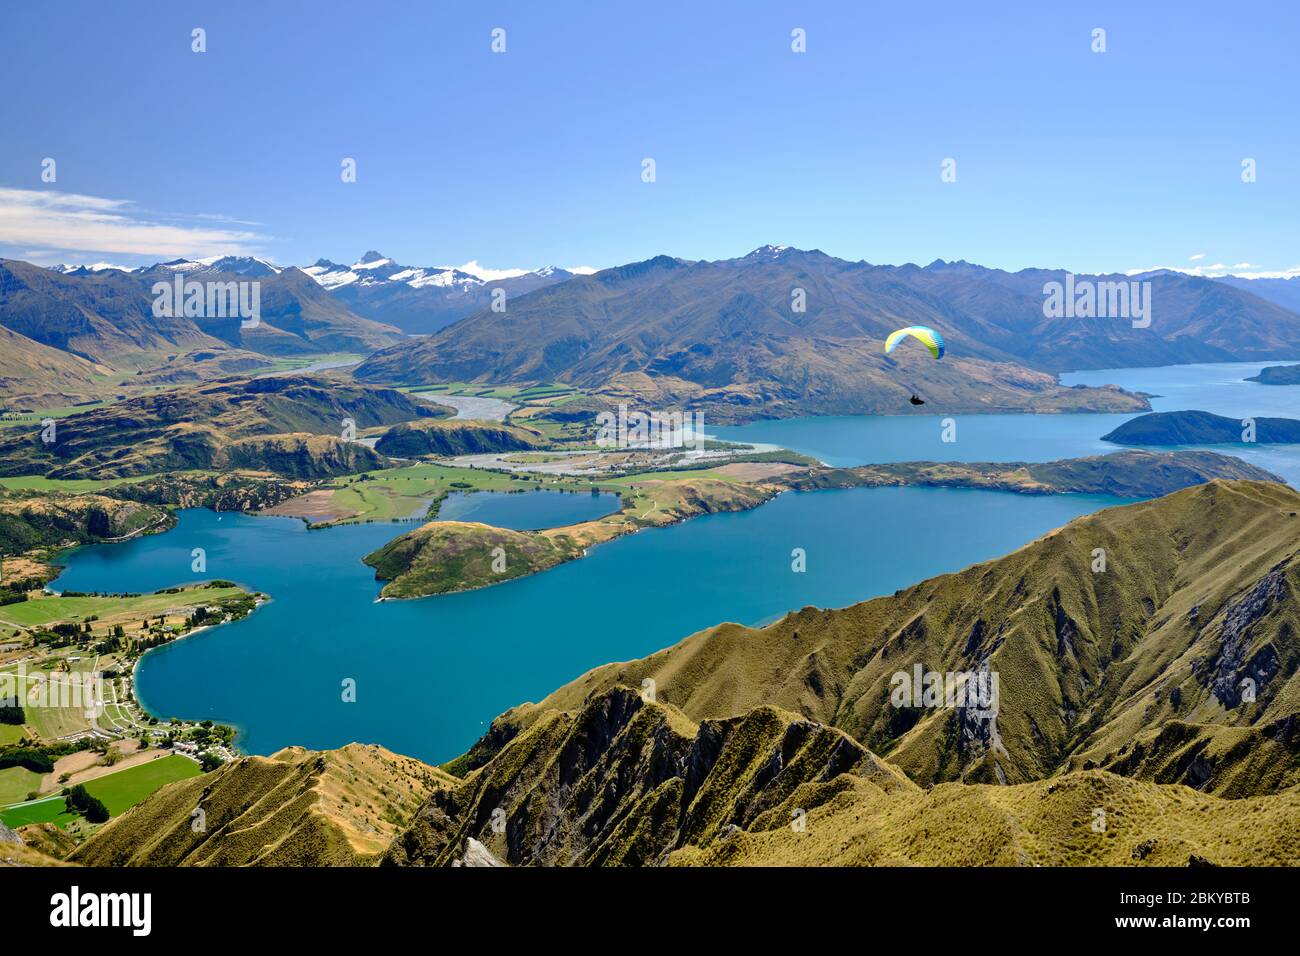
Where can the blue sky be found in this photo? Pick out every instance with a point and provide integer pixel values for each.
(1065, 158)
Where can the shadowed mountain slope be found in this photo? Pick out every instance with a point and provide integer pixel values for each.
(220, 424)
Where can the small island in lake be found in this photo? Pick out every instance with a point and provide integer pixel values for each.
(1202, 428)
(1278, 375)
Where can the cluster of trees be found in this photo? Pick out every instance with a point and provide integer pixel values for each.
(11, 712)
(209, 761)
(79, 800)
(98, 523)
(40, 758)
(208, 733)
(114, 642)
(35, 759)
(201, 615)
(65, 633)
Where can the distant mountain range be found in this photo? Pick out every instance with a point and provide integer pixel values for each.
(780, 331)
(67, 330)
(729, 335)
(1283, 292)
(416, 299)
(107, 314)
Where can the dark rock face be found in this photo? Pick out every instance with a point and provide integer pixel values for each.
(1231, 669)
(1066, 630)
(621, 782)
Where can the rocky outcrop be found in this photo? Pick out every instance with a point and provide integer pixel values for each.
(1232, 675)
(625, 781)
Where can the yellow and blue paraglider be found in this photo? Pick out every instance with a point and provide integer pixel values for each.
(926, 336)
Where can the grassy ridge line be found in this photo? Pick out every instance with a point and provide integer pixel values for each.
(295, 808)
(1046, 823)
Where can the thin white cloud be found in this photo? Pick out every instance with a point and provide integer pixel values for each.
(1199, 255)
(1244, 270)
(70, 222)
(474, 268)
(217, 217)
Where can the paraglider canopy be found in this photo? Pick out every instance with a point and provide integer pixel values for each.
(927, 336)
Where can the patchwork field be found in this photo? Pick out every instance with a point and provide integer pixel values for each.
(119, 791)
(123, 790)
(11, 734)
(16, 783)
(108, 609)
(400, 493)
(49, 810)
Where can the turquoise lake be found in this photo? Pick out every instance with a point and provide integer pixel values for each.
(1217, 388)
(432, 673)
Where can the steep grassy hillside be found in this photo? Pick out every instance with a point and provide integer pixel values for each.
(1125, 474)
(1080, 819)
(623, 781)
(32, 374)
(217, 425)
(31, 520)
(295, 808)
(15, 851)
(1139, 666)
(100, 316)
(298, 456)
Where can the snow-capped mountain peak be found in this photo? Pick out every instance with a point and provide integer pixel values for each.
(68, 269)
(244, 265)
(768, 252)
(374, 268)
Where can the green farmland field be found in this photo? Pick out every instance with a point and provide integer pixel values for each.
(119, 791)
